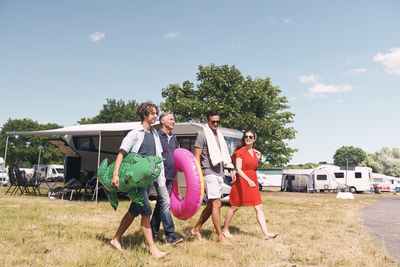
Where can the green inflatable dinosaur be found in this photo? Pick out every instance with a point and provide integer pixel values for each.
(135, 172)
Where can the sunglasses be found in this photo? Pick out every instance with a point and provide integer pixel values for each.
(248, 136)
(215, 122)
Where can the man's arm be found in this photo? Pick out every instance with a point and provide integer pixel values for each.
(197, 153)
(118, 162)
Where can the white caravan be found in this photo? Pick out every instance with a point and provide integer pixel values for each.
(4, 179)
(357, 179)
(324, 178)
(270, 177)
(49, 171)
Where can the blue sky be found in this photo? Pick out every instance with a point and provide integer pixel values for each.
(338, 62)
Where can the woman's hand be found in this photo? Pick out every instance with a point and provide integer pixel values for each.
(258, 154)
(251, 183)
(115, 180)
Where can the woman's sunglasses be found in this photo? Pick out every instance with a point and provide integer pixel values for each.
(248, 137)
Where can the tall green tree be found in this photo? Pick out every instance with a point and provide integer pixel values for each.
(243, 103)
(114, 111)
(353, 156)
(385, 161)
(23, 150)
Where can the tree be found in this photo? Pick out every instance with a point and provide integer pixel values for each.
(243, 103)
(385, 161)
(114, 111)
(349, 155)
(309, 165)
(23, 150)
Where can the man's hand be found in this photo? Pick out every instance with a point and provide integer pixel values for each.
(115, 181)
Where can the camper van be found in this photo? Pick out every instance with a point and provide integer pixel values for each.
(49, 171)
(357, 179)
(4, 179)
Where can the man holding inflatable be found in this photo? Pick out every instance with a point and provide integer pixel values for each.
(212, 152)
(162, 209)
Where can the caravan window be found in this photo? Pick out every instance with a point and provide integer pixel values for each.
(378, 180)
(84, 143)
(53, 171)
(187, 142)
(322, 177)
(339, 174)
(358, 175)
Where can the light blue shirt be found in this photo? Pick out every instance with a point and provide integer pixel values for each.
(134, 139)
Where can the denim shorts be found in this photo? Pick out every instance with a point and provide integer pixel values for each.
(137, 210)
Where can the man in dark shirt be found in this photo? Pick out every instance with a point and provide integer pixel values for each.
(162, 210)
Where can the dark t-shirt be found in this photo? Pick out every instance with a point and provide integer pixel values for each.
(169, 144)
(148, 147)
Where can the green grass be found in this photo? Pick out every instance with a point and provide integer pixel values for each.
(314, 230)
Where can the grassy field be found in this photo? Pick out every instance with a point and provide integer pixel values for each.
(315, 230)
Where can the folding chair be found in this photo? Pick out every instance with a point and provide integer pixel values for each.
(13, 182)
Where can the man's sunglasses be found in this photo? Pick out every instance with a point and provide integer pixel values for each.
(248, 137)
(215, 122)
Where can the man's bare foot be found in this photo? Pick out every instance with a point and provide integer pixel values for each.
(116, 244)
(225, 242)
(226, 233)
(196, 234)
(158, 254)
(271, 236)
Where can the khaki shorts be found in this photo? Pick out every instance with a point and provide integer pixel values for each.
(213, 186)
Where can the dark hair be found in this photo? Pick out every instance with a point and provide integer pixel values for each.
(211, 113)
(145, 108)
(241, 142)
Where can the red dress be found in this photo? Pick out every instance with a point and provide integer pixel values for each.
(241, 193)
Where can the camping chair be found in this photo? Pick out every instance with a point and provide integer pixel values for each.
(13, 182)
(90, 189)
(24, 182)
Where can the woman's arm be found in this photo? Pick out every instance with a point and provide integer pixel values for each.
(242, 174)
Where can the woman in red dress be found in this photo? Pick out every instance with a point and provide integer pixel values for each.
(244, 191)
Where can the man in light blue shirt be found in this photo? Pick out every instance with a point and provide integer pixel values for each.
(145, 141)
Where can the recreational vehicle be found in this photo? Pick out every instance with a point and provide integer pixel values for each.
(3, 173)
(382, 182)
(270, 177)
(324, 178)
(357, 179)
(297, 180)
(49, 171)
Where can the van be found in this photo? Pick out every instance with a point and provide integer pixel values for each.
(49, 172)
(4, 179)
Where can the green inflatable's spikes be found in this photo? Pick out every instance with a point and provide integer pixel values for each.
(113, 198)
(155, 159)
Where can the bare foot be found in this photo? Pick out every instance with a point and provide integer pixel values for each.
(225, 242)
(226, 233)
(196, 234)
(271, 236)
(116, 244)
(158, 254)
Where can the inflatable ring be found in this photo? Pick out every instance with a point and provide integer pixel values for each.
(185, 208)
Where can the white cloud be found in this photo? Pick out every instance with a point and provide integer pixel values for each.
(309, 79)
(320, 88)
(286, 20)
(172, 35)
(356, 71)
(97, 36)
(390, 60)
(375, 105)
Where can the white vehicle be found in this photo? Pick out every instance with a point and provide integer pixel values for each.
(297, 180)
(324, 178)
(381, 181)
(4, 179)
(270, 177)
(89, 144)
(49, 171)
(357, 179)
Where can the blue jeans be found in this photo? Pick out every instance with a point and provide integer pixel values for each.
(162, 210)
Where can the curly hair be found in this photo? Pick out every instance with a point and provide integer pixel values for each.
(145, 108)
(241, 142)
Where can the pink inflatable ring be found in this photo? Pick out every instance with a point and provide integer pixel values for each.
(185, 208)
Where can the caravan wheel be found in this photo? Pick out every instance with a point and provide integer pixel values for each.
(352, 189)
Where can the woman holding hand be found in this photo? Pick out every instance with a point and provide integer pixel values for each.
(244, 191)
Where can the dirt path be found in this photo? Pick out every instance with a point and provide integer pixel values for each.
(383, 220)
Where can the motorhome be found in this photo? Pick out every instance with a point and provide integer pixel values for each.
(49, 171)
(381, 181)
(271, 178)
(356, 179)
(89, 144)
(4, 179)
